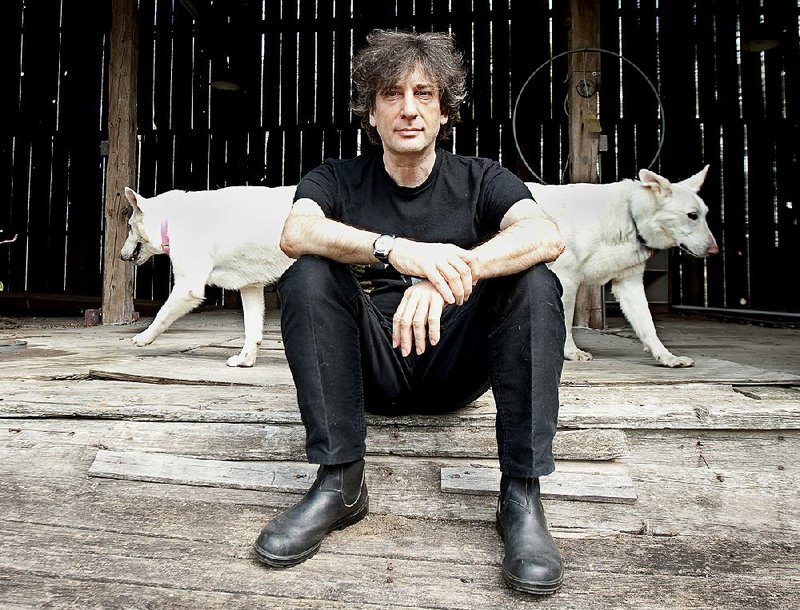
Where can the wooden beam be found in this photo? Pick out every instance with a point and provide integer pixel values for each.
(593, 482)
(584, 18)
(607, 482)
(117, 274)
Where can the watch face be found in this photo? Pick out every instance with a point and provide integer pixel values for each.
(384, 242)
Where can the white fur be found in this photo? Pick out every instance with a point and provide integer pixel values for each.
(598, 223)
(228, 238)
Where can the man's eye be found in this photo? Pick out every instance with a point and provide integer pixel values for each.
(391, 93)
(425, 95)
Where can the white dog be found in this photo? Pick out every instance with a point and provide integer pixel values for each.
(228, 238)
(610, 231)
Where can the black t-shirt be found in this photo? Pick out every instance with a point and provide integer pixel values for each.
(462, 202)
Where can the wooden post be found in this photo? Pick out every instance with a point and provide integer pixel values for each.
(117, 274)
(584, 19)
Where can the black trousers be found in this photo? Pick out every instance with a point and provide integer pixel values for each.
(509, 334)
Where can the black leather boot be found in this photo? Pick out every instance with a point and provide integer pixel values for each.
(337, 498)
(532, 561)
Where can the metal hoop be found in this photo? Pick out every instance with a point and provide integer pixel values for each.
(587, 50)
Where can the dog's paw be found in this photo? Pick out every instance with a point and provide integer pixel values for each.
(243, 361)
(676, 362)
(578, 355)
(142, 339)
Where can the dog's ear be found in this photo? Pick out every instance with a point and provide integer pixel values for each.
(658, 184)
(696, 181)
(132, 197)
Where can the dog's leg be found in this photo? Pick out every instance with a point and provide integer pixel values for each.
(571, 351)
(633, 301)
(181, 300)
(253, 310)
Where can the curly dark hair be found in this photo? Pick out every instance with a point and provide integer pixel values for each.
(390, 56)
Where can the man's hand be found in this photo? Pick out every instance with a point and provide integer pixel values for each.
(420, 309)
(445, 266)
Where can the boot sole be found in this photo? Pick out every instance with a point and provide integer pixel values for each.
(528, 586)
(533, 588)
(287, 561)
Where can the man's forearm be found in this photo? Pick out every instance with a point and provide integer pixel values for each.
(525, 243)
(312, 234)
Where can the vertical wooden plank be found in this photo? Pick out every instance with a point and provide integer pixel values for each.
(440, 16)
(640, 45)
(404, 16)
(323, 112)
(609, 88)
(760, 157)
(10, 221)
(274, 148)
(312, 150)
(183, 77)
(55, 272)
(81, 129)
(752, 77)
(764, 275)
(481, 66)
(16, 147)
(289, 58)
(20, 158)
(682, 152)
(344, 38)
(6, 216)
(787, 162)
(529, 50)
(583, 80)
(583, 90)
(501, 68)
(249, 33)
(38, 120)
(556, 136)
(306, 65)
(734, 235)
(423, 16)
(118, 275)
(256, 166)
(467, 134)
(271, 81)
(292, 152)
(787, 246)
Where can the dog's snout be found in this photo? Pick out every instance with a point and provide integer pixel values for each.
(713, 248)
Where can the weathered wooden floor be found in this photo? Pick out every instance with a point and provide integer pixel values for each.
(140, 477)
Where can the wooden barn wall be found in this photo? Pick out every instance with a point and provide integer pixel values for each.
(735, 110)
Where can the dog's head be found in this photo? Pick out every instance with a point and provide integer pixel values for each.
(141, 244)
(679, 216)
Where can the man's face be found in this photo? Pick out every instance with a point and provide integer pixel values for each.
(408, 115)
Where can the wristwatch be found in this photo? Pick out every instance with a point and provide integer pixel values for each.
(382, 246)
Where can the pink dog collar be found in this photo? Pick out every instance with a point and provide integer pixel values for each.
(164, 237)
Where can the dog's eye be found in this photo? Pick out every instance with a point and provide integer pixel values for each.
(693, 215)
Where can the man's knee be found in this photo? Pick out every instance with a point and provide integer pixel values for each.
(536, 283)
(534, 293)
(541, 280)
(311, 275)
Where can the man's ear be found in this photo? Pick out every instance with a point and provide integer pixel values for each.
(372, 120)
(444, 117)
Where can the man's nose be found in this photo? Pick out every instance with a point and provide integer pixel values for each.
(409, 105)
